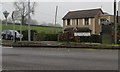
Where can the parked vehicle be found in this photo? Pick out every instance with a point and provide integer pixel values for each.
(10, 34)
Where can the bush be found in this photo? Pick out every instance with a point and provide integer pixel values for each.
(85, 39)
(46, 37)
(51, 37)
(96, 39)
(25, 34)
(92, 39)
(40, 36)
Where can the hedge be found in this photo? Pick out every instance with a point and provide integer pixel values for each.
(51, 37)
(93, 38)
(96, 39)
(25, 34)
(46, 37)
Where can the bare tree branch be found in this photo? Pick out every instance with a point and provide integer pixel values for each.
(22, 7)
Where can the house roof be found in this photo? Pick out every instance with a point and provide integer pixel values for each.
(106, 14)
(82, 14)
(80, 29)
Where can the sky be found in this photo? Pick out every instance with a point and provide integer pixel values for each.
(45, 11)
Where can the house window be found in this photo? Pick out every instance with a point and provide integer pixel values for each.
(77, 21)
(103, 20)
(68, 21)
(86, 21)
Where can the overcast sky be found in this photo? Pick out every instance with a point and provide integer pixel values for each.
(45, 11)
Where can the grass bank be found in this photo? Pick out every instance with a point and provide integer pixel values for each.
(50, 30)
(61, 45)
(88, 44)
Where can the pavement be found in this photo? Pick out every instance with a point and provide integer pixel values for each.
(59, 59)
(6, 47)
(47, 42)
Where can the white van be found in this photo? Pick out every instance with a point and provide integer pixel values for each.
(10, 34)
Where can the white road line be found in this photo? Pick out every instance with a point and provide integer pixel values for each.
(6, 47)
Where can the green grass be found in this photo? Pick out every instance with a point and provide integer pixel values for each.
(38, 29)
(109, 45)
(89, 44)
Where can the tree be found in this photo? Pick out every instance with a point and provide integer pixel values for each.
(22, 8)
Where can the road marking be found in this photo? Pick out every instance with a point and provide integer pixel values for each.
(6, 47)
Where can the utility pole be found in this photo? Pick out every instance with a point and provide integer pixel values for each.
(29, 32)
(115, 24)
(13, 19)
(21, 30)
(56, 15)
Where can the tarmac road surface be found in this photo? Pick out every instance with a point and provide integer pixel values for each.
(59, 59)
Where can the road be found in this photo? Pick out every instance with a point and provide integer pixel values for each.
(59, 59)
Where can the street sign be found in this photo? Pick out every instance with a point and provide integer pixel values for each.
(82, 34)
(6, 14)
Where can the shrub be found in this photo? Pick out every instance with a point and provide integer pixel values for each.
(40, 36)
(46, 37)
(96, 39)
(25, 34)
(93, 39)
(51, 37)
(85, 39)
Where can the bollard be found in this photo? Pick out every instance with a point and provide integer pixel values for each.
(15, 37)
